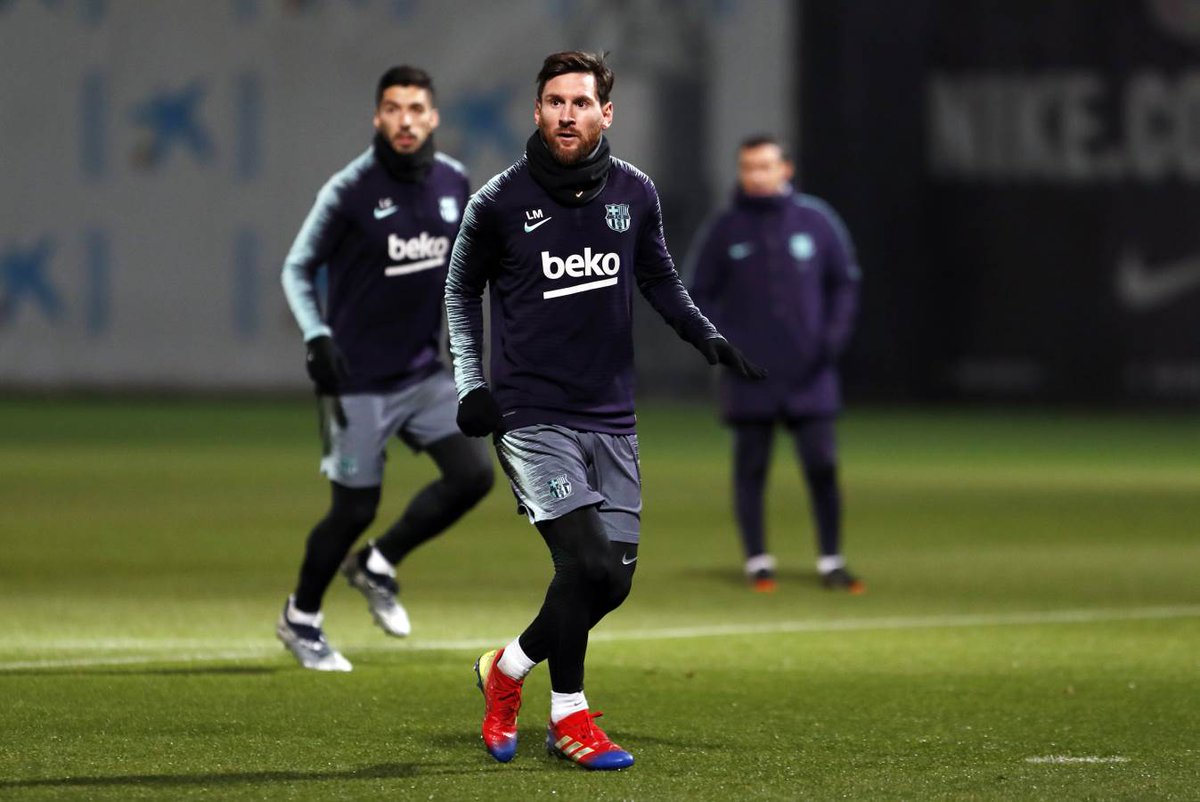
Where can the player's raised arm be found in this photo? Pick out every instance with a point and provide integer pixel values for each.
(660, 284)
(471, 264)
(659, 281)
(316, 240)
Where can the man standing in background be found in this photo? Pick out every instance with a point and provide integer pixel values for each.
(777, 273)
(384, 227)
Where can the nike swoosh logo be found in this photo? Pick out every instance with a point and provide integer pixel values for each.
(529, 228)
(1142, 288)
(626, 561)
(382, 213)
(741, 250)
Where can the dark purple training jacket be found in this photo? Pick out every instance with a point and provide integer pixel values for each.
(387, 244)
(561, 298)
(779, 277)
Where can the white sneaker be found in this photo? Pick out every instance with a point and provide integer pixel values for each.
(308, 645)
(380, 592)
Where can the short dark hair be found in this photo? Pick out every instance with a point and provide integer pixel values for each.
(760, 139)
(569, 61)
(404, 75)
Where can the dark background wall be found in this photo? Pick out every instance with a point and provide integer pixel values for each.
(1022, 181)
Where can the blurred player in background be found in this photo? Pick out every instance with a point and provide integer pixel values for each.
(384, 227)
(777, 272)
(562, 237)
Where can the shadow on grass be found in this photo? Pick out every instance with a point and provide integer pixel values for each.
(530, 738)
(734, 575)
(383, 771)
(632, 739)
(533, 741)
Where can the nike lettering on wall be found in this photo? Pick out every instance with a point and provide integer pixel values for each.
(1141, 288)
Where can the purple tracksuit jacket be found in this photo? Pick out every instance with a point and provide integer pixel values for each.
(387, 247)
(778, 277)
(561, 282)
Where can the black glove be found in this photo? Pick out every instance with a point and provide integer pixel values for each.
(326, 365)
(718, 350)
(327, 368)
(478, 413)
(331, 406)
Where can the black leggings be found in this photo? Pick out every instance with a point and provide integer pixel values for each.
(466, 478)
(816, 448)
(592, 576)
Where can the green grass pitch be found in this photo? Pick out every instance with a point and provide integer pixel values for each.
(1030, 629)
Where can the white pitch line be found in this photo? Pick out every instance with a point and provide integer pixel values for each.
(254, 649)
(126, 644)
(1064, 760)
(915, 622)
(138, 659)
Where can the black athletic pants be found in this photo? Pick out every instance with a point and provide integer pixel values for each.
(816, 449)
(592, 576)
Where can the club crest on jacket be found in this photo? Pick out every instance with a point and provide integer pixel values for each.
(617, 216)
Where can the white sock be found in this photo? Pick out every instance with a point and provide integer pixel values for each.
(514, 662)
(564, 704)
(378, 564)
(830, 562)
(298, 616)
(761, 562)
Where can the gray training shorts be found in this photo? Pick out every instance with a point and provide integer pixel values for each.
(420, 415)
(555, 470)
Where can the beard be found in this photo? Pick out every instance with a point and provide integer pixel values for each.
(587, 142)
(405, 148)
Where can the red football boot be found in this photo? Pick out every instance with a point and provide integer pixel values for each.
(578, 738)
(502, 702)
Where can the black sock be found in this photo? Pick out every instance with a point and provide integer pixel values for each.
(585, 587)
(466, 478)
(350, 513)
(751, 458)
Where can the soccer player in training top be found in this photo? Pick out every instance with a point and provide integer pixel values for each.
(384, 227)
(562, 236)
(777, 270)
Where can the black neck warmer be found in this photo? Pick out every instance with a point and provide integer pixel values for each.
(762, 203)
(569, 184)
(406, 167)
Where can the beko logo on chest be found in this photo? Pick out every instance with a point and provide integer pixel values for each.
(421, 252)
(578, 266)
(581, 266)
